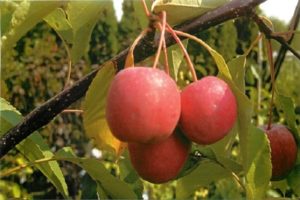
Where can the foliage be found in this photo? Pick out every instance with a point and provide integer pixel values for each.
(40, 38)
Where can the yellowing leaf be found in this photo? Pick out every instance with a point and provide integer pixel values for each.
(94, 120)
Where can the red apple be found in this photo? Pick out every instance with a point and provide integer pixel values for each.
(283, 150)
(208, 110)
(160, 162)
(143, 105)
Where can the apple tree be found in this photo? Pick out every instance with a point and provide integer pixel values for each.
(194, 106)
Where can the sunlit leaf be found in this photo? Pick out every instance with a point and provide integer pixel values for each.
(26, 15)
(181, 10)
(59, 22)
(94, 120)
(111, 185)
(33, 147)
(83, 16)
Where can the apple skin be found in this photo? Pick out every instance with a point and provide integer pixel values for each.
(162, 161)
(208, 110)
(143, 105)
(283, 150)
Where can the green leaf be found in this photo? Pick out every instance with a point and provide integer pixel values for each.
(294, 179)
(111, 185)
(256, 158)
(83, 16)
(94, 120)
(3, 90)
(130, 176)
(287, 106)
(7, 9)
(237, 70)
(59, 22)
(33, 147)
(182, 10)
(140, 14)
(258, 168)
(206, 173)
(25, 16)
(100, 192)
(175, 58)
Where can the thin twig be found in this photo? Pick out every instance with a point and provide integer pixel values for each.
(269, 34)
(23, 166)
(253, 44)
(69, 65)
(72, 111)
(282, 51)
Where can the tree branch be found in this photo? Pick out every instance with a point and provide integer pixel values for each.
(146, 47)
(282, 51)
(271, 35)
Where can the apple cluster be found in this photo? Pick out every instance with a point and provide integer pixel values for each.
(144, 107)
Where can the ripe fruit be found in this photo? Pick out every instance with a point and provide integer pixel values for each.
(143, 105)
(208, 110)
(283, 150)
(160, 162)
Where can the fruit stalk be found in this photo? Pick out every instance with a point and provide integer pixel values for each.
(185, 54)
(270, 58)
(162, 38)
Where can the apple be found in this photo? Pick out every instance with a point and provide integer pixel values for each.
(143, 105)
(283, 150)
(162, 161)
(208, 110)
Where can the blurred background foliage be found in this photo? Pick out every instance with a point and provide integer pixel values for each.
(36, 69)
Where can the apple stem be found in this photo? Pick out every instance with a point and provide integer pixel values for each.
(185, 54)
(145, 8)
(253, 44)
(192, 37)
(272, 71)
(162, 38)
(130, 57)
(167, 69)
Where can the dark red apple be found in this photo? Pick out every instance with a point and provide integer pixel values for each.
(208, 110)
(160, 162)
(283, 150)
(143, 105)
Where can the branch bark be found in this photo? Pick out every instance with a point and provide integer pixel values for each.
(271, 35)
(46, 112)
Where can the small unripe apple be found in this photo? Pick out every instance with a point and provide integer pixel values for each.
(208, 110)
(143, 105)
(283, 150)
(162, 161)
